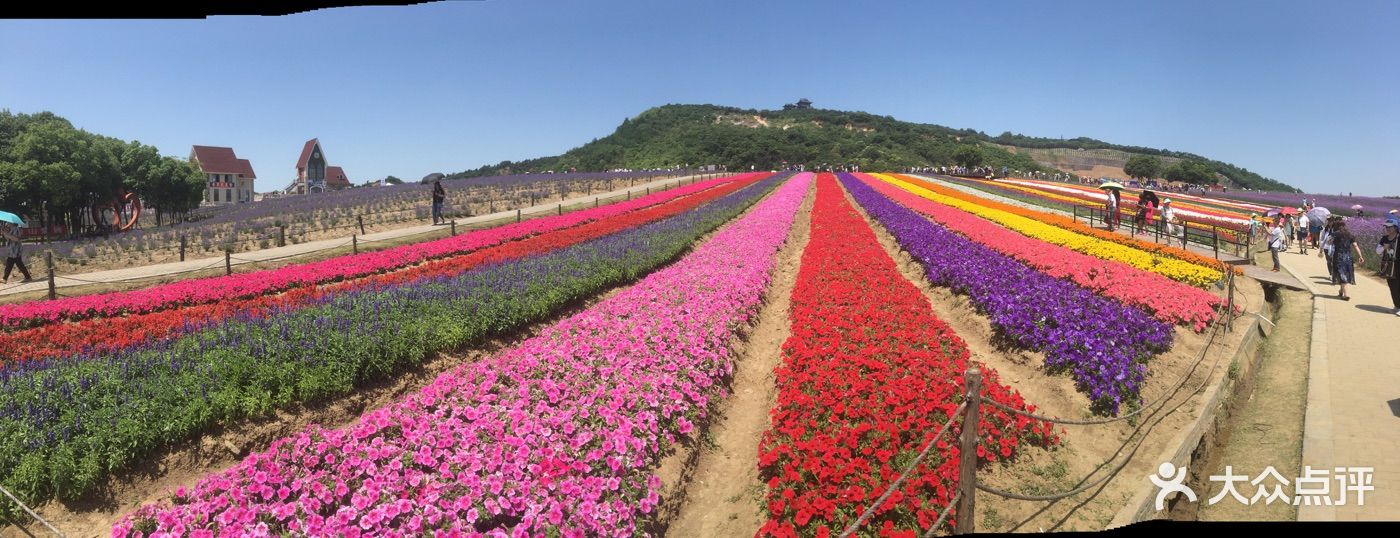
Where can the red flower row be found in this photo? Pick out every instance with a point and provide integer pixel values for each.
(869, 376)
(106, 334)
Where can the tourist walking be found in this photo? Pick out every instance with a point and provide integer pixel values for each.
(1390, 270)
(1276, 240)
(1111, 205)
(1343, 245)
(1324, 248)
(439, 196)
(1169, 218)
(1287, 231)
(1302, 232)
(14, 251)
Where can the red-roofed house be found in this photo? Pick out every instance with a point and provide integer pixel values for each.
(313, 174)
(336, 178)
(229, 179)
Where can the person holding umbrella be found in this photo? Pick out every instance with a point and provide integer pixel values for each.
(14, 246)
(1114, 204)
(1317, 218)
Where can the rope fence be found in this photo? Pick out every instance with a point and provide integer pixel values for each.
(870, 510)
(1155, 412)
(31, 513)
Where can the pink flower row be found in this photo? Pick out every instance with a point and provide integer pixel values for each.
(208, 290)
(557, 436)
(1166, 299)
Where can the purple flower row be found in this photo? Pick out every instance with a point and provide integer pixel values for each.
(1103, 343)
(556, 436)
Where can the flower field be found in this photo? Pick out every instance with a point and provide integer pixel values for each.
(144, 326)
(1168, 300)
(1175, 269)
(1190, 212)
(1102, 343)
(868, 376)
(1066, 223)
(553, 437)
(209, 290)
(619, 332)
(67, 422)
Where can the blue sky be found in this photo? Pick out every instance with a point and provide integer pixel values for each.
(1304, 92)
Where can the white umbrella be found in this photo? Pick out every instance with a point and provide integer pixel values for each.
(1318, 214)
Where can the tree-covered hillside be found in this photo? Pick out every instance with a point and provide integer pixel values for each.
(674, 135)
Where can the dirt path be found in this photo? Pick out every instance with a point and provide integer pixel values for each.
(1267, 430)
(725, 494)
(1084, 449)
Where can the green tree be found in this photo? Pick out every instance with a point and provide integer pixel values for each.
(968, 155)
(391, 180)
(1193, 171)
(1143, 167)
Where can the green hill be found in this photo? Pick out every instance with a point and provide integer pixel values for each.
(673, 135)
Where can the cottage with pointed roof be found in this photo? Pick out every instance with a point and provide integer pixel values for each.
(229, 179)
(314, 174)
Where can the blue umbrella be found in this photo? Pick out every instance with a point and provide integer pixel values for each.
(7, 216)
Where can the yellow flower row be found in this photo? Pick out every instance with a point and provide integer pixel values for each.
(1181, 271)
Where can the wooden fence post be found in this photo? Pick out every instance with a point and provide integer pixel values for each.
(360, 219)
(517, 215)
(228, 262)
(561, 209)
(454, 227)
(281, 236)
(355, 244)
(48, 261)
(967, 455)
(183, 242)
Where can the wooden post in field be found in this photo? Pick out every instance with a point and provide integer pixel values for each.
(561, 209)
(48, 261)
(595, 201)
(648, 191)
(228, 262)
(281, 236)
(454, 227)
(360, 219)
(183, 243)
(517, 215)
(355, 243)
(967, 456)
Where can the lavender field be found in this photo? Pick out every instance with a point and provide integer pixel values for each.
(1367, 227)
